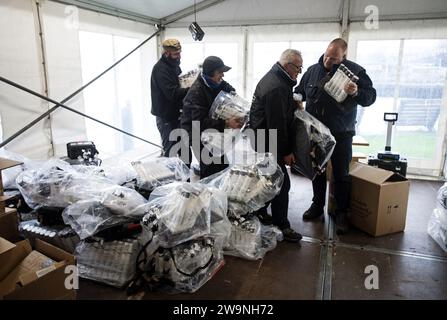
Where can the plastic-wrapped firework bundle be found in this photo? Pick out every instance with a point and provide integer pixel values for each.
(241, 183)
(111, 262)
(189, 265)
(437, 225)
(118, 170)
(245, 240)
(248, 187)
(183, 211)
(250, 239)
(183, 236)
(89, 217)
(188, 78)
(313, 144)
(44, 187)
(442, 196)
(123, 201)
(161, 171)
(56, 184)
(229, 105)
(270, 236)
(225, 106)
(335, 86)
(62, 236)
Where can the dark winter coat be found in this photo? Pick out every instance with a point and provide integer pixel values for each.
(166, 93)
(340, 118)
(273, 106)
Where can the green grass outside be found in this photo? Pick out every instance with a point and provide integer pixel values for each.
(419, 145)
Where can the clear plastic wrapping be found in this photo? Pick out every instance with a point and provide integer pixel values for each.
(313, 144)
(111, 262)
(187, 79)
(89, 217)
(249, 186)
(56, 184)
(250, 239)
(156, 172)
(44, 186)
(225, 106)
(335, 87)
(437, 225)
(183, 211)
(122, 201)
(229, 105)
(183, 236)
(442, 197)
(189, 265)
(117, 170)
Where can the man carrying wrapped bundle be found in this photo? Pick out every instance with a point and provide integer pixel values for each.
(272, 108)
(196, 111)
(332, 96)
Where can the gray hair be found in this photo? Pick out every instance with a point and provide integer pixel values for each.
(288, 55)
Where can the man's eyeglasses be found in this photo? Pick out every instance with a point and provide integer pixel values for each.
(299, 68)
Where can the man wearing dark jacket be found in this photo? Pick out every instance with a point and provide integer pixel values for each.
(340, 119)
(166, 93)
(197, 104)
(272, 108)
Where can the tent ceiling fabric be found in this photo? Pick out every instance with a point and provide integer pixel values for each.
(151, 8)
(255, 10)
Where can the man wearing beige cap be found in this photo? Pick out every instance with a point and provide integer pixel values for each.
(166, 93)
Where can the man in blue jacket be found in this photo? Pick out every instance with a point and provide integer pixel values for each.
(166, 93)
(340, 119)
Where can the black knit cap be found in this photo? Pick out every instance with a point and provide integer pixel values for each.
(213, 63)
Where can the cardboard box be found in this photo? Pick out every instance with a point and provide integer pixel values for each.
(9, 225)
(379, 200)
(8, 217)
(33, 274)
(5, 164)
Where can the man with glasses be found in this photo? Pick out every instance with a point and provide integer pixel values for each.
(272, 108)
(166, 93)
(340, 119)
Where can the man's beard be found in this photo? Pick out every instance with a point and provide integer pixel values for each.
(174, 61)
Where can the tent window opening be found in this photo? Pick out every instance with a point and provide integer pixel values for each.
(116, 98)
(409, 76)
